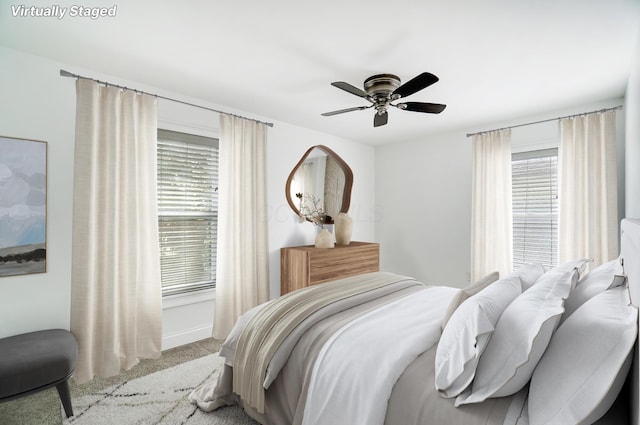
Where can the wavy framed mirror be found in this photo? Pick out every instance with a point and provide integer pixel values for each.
(319, 186)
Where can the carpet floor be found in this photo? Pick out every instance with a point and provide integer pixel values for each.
(44, 408)
(158, 398)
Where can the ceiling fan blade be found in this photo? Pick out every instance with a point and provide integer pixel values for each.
(429, 108)
(380, 119)
(342, 111)
(416, 84)
(349, 88)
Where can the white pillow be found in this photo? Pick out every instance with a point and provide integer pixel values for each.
(528, 274)
(520, 338)
(580, 264)
(582, 371)
(467, 292)
(606, 276)
(612, 267)
(467, 334)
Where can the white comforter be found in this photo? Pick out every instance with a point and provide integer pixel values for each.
(372, 352)
(371, 364)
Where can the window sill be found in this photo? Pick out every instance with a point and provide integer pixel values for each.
(173, 301)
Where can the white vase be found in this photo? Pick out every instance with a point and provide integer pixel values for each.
(324, 239)
(344, 228)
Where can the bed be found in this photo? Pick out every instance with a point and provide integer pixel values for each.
(534, 347)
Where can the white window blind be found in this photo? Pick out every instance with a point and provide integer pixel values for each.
(187, 210)
(535, 207)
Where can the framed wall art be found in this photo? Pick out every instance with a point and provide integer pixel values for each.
(23, 206)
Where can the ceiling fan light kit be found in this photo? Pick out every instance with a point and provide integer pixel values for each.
(382, 89)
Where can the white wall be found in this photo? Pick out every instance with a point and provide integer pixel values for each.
(39, 104)
(632, 110)
(423, 196)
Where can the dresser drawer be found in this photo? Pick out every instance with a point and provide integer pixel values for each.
(325, 266)
(306, 265)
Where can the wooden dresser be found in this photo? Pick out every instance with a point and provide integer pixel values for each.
(302, 266)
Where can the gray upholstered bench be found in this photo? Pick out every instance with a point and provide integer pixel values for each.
(36, 361)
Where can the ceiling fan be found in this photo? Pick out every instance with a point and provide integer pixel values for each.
(382, 89)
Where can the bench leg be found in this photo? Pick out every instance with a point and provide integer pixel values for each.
(65, 397)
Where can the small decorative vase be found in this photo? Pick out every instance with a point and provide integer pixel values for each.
(344, 228)
(324, 239)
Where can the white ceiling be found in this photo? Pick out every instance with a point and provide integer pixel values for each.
(497, 60)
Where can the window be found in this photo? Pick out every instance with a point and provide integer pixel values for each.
(535, 207)
(187, 211)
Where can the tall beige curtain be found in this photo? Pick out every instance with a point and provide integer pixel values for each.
(491, 209)
(242, 278)
(587, 188)
(116, 300)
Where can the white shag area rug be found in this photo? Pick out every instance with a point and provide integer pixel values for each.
(157, 398)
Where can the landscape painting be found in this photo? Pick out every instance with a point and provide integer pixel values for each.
(23, 206)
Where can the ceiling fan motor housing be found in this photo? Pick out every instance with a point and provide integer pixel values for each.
(381, 85)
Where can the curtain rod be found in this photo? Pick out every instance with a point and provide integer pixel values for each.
(64, 73)
(547, 120)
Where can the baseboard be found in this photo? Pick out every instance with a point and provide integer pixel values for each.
(186, 337)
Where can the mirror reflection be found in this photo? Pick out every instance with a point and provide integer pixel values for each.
(319, 187)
